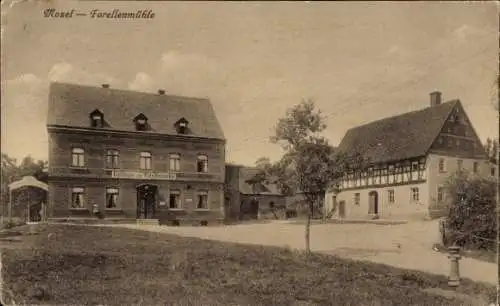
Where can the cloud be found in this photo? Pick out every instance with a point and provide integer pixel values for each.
(25, 107)
(142, 82)
(397, 50)
(59, 72)
(465, 31)
(182, 74)
(65, 72)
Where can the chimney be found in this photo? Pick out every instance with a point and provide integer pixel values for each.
(161, 91)
(435, 98)
(105, 85)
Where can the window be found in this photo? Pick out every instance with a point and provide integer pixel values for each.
(492, 171)
(440, 194)
(476, 167)
(415, 196)
(441, 165)
(202, 163)
(357, 199)
(271, 205)
(77, 157)
(111, 197)
(77, 200)
(182, 126)
(202, 200)
(112, 159)
(440, 140)
(390, 194)
(145, 161)
(458, 142)
(174, 201)
(96, 119)
(141, 122)
(175, 162)
(414, 166)
(459, 164)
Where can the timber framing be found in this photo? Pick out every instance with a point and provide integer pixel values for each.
(411, 171)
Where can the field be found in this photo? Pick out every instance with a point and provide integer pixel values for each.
(85, 265)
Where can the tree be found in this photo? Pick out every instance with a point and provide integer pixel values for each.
(471, 220)
(309, 164)
(491, 148)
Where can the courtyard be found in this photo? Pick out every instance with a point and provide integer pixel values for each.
(99, 265)
(406, 246)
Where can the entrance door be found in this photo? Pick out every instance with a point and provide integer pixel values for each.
(254, 209)
(146, 200)
(342, 209)
(373, 203)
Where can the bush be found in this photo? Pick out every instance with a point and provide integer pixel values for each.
(13, 223)
(471, 219)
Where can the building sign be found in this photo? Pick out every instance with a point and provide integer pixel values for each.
(143, 175)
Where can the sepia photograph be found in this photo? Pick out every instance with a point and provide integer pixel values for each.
(249, 153)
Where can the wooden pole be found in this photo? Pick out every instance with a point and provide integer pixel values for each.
(2, 211)
(10, 205)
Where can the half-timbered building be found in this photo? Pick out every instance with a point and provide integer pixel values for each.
(407, 160)
(133, 155)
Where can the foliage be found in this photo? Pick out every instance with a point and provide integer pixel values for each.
(472, 218)
(491, 148)
(68, 265)
(13, 171)
(11, 224)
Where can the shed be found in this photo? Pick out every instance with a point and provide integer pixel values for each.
(30, 200)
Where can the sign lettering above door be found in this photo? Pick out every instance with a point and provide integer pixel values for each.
(152, 175)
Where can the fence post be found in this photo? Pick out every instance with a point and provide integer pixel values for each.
(454, 256)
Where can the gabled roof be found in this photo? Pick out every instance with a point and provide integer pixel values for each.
(246, 173)
(71, 104)
(140, 116)
(399, 137)
(96, 112)
(28, 181)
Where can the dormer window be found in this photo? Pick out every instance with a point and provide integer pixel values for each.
(182, 126)
(96, 119)
(141, 122)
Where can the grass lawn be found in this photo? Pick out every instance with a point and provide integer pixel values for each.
(82, 265)
(483, 255)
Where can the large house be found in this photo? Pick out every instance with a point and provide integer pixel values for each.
(408, 159)
(134, 155)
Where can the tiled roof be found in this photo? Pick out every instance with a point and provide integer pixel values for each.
(246, 173)
(71, 105)
(399, 137)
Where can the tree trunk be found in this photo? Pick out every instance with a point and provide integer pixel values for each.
(308, 227)
(308, 233)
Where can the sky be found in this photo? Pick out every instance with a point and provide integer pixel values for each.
(359, 62)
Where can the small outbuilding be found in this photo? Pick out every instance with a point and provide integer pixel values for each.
(27, 200)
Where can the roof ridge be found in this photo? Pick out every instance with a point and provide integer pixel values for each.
(400, 136)
(128, 91)
(404, 114)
